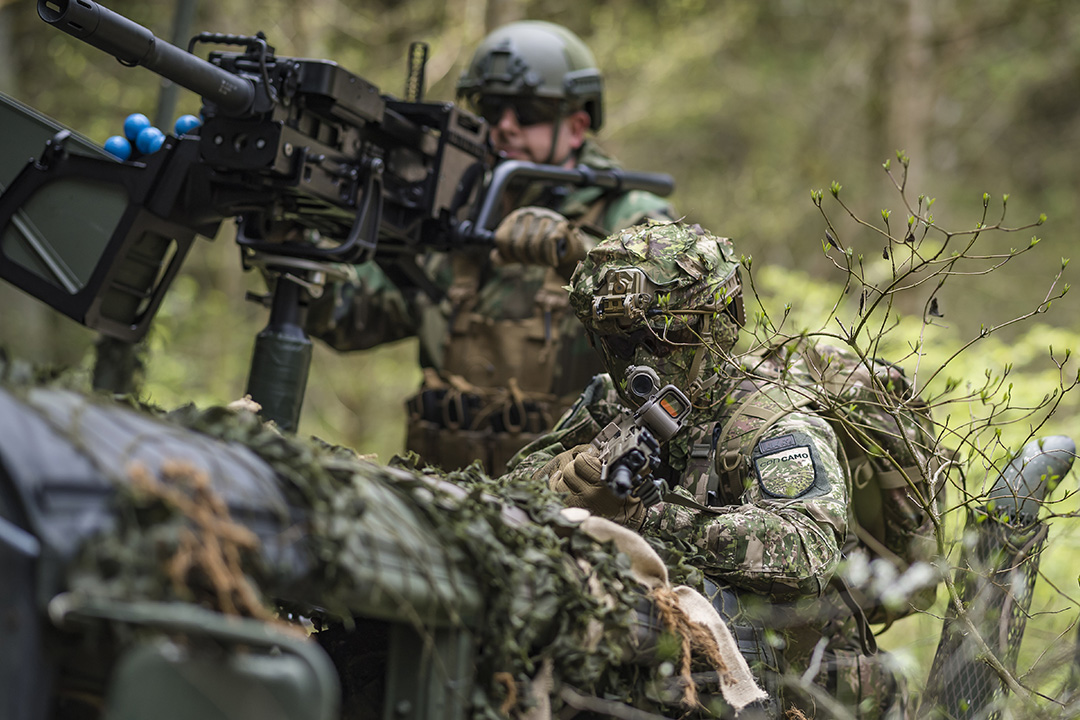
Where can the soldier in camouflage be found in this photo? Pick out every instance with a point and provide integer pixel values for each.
(502, 355)
(769, 533)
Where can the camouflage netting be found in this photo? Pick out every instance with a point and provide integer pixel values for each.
(493, 555)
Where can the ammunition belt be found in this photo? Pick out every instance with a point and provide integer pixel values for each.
(456, 410)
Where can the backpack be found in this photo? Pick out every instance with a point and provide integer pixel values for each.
(888, 443)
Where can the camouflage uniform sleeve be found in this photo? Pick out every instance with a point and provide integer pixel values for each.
(620, 211)
(362, 311)
(784, 541)
(635, 207)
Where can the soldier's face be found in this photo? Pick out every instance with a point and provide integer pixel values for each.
(532, 143)
(646, 346)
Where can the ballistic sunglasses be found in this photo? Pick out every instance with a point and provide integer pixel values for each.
(527, 110)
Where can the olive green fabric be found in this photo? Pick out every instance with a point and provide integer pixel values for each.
(660, 294)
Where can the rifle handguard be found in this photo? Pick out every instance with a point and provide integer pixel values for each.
(629, 447)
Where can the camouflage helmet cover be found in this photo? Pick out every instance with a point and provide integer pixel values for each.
(537, 58)
(658, 294)
(682, 269)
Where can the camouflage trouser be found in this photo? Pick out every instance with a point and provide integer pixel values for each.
(865, 686)
(760, 654)
(865, 683)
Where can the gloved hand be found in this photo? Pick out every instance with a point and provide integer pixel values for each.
(576, 473)
(539, 236)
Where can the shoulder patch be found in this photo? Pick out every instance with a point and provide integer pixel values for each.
(785, 472)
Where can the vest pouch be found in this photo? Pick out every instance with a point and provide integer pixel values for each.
(750, 637)
(446, 448)
(491, 352)
(865, 682)
(459, 448)
(421, 437)
(578, 362)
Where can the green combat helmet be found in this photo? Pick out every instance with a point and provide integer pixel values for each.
(535, 59)
(663, 295)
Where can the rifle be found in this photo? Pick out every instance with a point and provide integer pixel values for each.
(629, 447)
(315, 164)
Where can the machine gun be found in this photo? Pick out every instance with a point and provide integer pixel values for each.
(629, 447)
(314, 163)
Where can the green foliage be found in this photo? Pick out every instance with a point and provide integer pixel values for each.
(547, 588)
(746, 122)
(991, 388)
(1023, 357)
(750, 102)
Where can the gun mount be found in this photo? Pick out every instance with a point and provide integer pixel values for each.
(315, 165)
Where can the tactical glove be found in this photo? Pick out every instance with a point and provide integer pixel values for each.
(539, 236)
(576, 473)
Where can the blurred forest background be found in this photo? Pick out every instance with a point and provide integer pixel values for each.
(749, 104)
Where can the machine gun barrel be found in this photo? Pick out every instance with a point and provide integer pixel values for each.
(318, 167)
(133, 44)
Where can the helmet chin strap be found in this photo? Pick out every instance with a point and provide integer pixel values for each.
(556, 128)
(699, 385)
